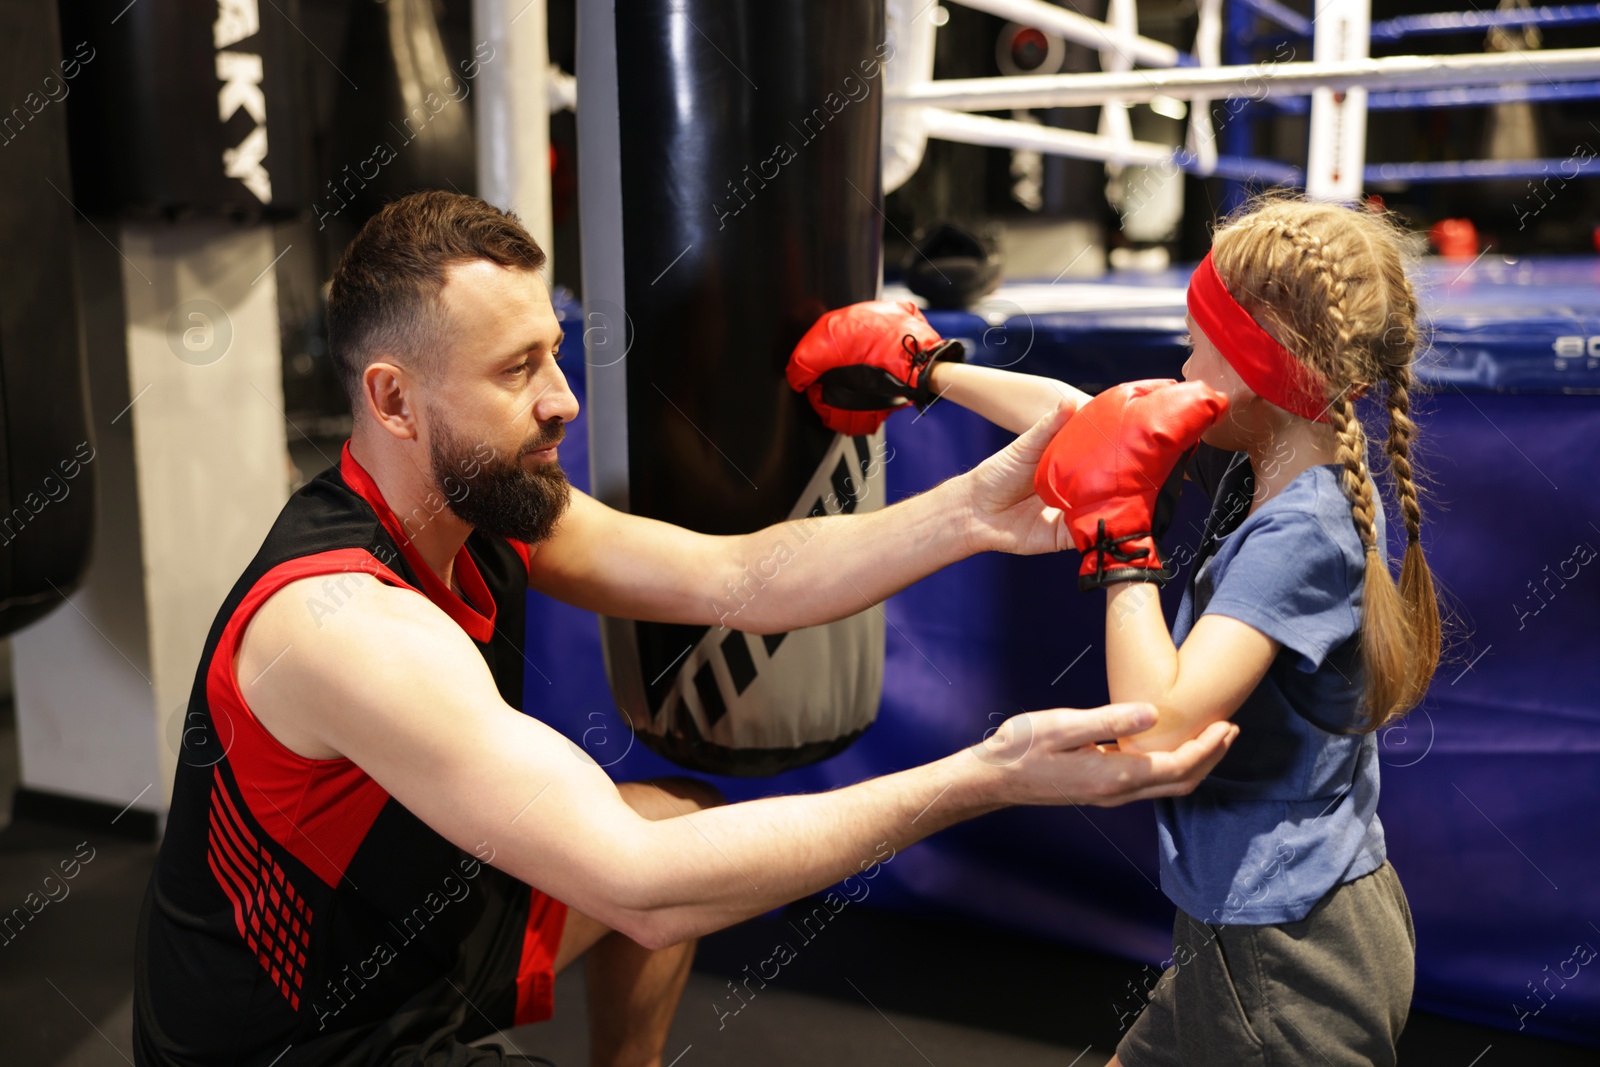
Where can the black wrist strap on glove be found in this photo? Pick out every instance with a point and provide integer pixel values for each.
(1108, 551)
(864, 387)
(919, 392)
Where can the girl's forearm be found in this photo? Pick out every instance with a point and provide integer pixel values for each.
(1221, 663)
(1008, 399)
(1142, 662)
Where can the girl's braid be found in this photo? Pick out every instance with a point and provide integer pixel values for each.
(1344, 361)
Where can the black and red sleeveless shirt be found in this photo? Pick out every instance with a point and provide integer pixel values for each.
(297, 913)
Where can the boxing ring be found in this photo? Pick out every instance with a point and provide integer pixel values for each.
(1489, 789)
(1484, 782)
(1236, 73)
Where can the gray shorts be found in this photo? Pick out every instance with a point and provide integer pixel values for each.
(1330, 990)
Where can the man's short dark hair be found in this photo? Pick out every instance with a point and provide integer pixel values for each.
(384, 297)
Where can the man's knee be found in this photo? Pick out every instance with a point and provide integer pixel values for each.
(664, 798)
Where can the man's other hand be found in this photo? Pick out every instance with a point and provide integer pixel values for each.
(1007, 515)
(1062, 756)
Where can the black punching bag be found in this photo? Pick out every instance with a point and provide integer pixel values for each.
(409, 126)
(731, 188)
(47, 471)
(188, 106)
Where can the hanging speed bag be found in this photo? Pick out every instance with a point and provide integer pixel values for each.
(730, 161)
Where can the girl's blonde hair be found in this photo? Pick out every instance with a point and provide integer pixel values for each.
(1329, 283)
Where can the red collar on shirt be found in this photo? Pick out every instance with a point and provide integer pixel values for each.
(479, 627)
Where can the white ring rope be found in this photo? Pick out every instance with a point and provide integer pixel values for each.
(1008, 133)
(1187, 83)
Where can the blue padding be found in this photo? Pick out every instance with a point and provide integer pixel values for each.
(1242, 168)
(1531, 325)
(1273, 11)
(1489, 789)
(1472, 170)
(1478, 95)
(1476, 21)
(1458, 96)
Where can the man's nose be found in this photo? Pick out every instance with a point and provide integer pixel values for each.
(557, 401)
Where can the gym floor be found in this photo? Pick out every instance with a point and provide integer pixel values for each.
(872, 987)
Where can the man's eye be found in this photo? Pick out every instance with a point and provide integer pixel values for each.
(519, 368)
(555, 354)
(1186, 341)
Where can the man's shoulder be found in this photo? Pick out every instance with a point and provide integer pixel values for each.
(349, 608)
(324, 525)
(316, 639)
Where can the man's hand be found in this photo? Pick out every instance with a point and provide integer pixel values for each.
(1006, 513)
(1055, 757)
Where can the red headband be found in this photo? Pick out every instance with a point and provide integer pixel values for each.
(1270, 370)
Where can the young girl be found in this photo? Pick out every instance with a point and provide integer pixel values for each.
(1293, 941)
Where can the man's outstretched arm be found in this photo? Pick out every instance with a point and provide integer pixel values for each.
(803, 572)
(391, 683)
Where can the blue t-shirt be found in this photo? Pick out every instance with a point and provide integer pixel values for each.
(1292, 810)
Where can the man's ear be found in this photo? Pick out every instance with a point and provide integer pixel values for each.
(386, 391)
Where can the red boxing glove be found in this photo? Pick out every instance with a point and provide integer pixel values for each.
(1116, 469)
(858, 363)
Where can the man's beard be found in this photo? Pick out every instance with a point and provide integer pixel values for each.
(498, 495)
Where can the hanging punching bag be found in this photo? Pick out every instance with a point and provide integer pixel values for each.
(47, 472)
(409, 125)
(188, 106)
(730, 161)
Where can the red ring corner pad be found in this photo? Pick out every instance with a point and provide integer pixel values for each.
(536, 972)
